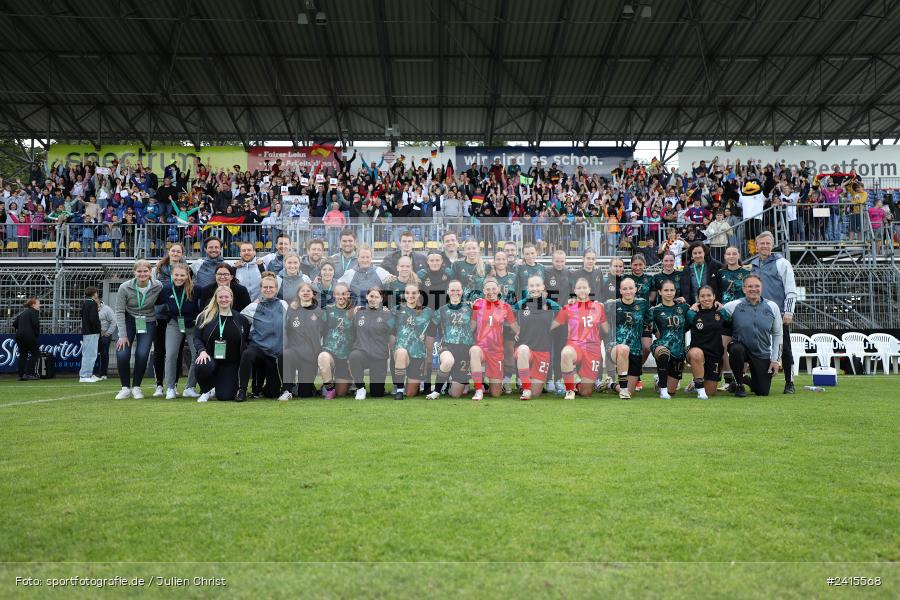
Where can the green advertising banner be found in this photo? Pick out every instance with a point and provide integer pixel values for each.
(158, 158)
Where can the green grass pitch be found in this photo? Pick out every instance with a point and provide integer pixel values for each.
(762, 497)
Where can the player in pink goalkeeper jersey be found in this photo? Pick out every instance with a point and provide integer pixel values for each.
(586, 319)
(489, 315)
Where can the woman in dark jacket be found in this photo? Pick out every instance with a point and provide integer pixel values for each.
(220, 337)
(179, 305)
(698, 272)
(225, 277)
(28, 328)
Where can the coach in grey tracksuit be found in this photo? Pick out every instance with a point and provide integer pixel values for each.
(778, 285)
(756, 339)
(266, 343)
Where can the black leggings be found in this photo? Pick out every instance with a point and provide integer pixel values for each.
(377, 372)
(254, 356)
(220, 375)
(28, 355)
(760, 378)
(787, 354)
(159, 351)
(300, 370)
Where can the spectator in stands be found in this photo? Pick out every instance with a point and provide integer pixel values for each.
(90, 334)
(879, 217)
(858, 200)
(28, 330)
(136, 322)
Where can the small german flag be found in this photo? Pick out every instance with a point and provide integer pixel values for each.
(478, 199)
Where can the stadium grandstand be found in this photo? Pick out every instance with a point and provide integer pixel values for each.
(647, 238)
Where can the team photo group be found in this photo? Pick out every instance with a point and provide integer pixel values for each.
(447, 322)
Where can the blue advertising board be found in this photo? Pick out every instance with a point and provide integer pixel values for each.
(64, 348)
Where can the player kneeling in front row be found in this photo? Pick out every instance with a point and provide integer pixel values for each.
(486, 356)
(669, 321)
(586, 319)
(706, 354)
(632, 319)
(454, 322)
(536, 314)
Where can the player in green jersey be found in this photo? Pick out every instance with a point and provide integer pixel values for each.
(631, 321)
(470, 271)
(337, 343)
(453, 320)
(731, 287)
(414, 335)
(644, 284)
(529, 267)
(669, 321)
(397, 286)
(668, 273)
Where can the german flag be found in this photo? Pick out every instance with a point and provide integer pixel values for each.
(478, 199)
(233, 224)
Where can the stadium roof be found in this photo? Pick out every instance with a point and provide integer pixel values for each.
(219, 71)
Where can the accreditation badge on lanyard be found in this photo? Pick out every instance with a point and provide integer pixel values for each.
(220, 346)
(140, 323)
(178, 303)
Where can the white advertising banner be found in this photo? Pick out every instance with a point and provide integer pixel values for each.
(884, 161)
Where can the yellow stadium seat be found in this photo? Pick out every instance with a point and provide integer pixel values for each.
(50, 246)
(35, 246)
(12, 246)
(573, 245)
(122, 246)
(380, 245)
(74, 246)
(258, 245)
(418, 245)
(432, 245)
(1, 246)
(268, 245)
(196, 246)
(105, 246)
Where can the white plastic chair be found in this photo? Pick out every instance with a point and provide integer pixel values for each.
(802, 347)
(887, 349)
(828, 349)
(855, 343)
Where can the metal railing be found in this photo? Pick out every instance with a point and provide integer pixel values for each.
(814, 224)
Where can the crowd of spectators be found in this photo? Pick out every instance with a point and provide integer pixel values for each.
(637, 205)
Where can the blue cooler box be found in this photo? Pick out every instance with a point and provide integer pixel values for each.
(824, 376)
